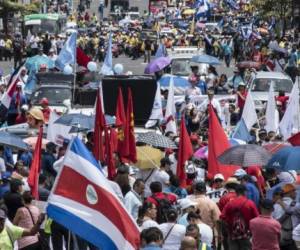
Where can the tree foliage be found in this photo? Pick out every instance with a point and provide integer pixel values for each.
(276, 8)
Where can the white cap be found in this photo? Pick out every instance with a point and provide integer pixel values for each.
(219, 176)
(185, 203)
(239, 173)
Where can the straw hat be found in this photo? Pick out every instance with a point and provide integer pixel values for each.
(36, 113)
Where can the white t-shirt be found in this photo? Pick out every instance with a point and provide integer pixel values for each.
(206, 233)
(175, 237)
(157, 175)
(149, 223)
(132, 203)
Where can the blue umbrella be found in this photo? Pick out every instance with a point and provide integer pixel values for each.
(79, 126)
(76, 120)
(287, 158)
(211, 60)
(33, 63)
(178, 81)
(13, 141)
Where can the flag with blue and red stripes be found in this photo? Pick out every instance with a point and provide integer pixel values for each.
(83, 201)
(7, 96)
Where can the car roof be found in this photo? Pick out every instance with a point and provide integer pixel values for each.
(274, 75)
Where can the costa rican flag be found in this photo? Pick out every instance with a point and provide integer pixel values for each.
(83, 201)
(7, 96)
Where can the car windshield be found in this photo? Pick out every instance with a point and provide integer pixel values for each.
(180, 67)
(263, 84)
(55, 96)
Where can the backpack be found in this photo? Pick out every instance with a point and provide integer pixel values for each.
(239, 227)
(286, 236)
(163, 205)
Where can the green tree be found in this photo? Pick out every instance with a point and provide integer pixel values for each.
(8, 8)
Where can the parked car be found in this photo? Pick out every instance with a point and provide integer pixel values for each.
(260, 84)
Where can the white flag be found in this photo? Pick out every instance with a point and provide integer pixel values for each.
(272, 116)
(56, 133)
(156, 113)
(290, 121)
(170, 110)
(249, 113)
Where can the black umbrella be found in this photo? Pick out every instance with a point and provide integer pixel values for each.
(245, 155)
(13, 141)
(156, 140)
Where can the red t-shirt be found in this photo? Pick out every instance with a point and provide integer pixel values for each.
(265, 233)
(283, 100)
(245, 206)
(171, 197)
(225, 199)
(240, 101)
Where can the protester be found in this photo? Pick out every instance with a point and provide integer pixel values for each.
(133, 199)
(7, 229)
(205, 231)
(193, 231)
(147, 216)
(26, 217)
(264, 229)
(173, 233)
(237, 214)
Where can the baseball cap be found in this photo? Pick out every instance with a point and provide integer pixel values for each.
(219, 177)
(185, 203)
(239, 173)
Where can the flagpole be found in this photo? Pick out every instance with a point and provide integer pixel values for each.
(74, 79)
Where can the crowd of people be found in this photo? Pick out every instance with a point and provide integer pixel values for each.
(254, 209)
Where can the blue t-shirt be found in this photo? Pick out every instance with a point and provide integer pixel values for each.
(252, 193)
(180, 192)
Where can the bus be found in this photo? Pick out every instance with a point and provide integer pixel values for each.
(42, 23)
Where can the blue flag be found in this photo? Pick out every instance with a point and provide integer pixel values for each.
(161, 51)
(232, 4)
(107, 67)
(241, 132)
(67, 55)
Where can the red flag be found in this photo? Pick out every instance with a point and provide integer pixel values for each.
(111, 169)
(185, 151)
(98, 149)
(295, 139)
(35, 168)
(82, 58)
(123, 150)
(129, 130)
(217, 144)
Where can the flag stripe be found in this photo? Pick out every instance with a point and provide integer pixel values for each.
(81, 227)
(73, 191)
(79, 150)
